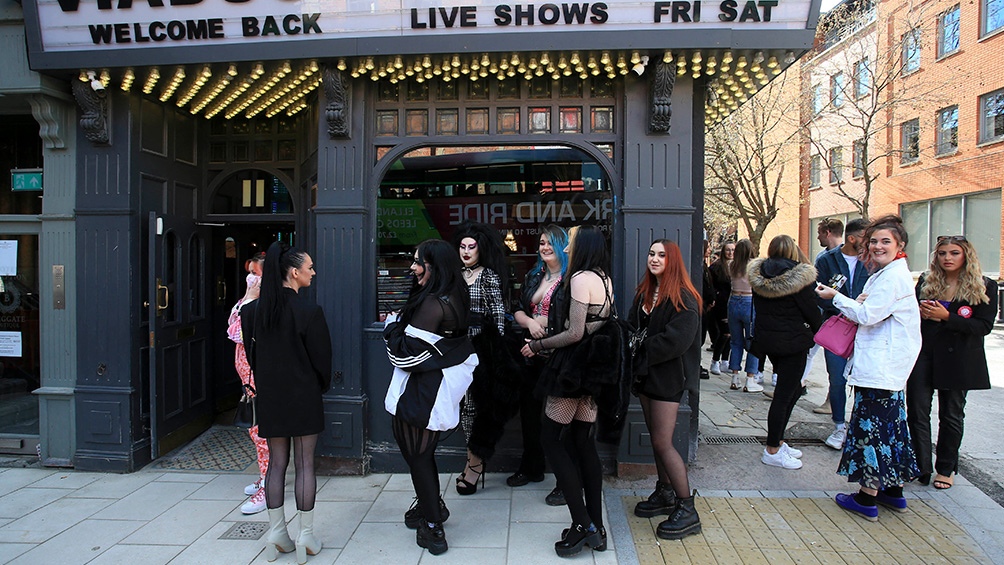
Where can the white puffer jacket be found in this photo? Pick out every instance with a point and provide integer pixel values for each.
(888, 339)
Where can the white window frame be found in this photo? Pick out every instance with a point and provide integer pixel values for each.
(952, 27)
(837, 89)
(836, 164)
(909, 148)
(816, 171)
(818, 103)
(990, 8)
(911, 51)
(947, 138)
(862, 78)
(989, 133)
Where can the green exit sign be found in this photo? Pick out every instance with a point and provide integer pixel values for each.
(25, 179)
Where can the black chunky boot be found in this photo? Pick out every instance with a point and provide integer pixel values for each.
(662, 501)
(413, 518)
(578, 536)
(432, 537)
(603, 538)
(683, 522)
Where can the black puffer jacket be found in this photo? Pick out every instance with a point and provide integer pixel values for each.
(784, 301)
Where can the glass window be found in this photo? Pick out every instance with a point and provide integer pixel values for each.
(252, 192)
(948, 31)
(977, 216)
(514, 189)
(837, 89)
(20, 150)
(815, 170)
(862, 78)
(992, 116)
(993, 16)
(836, 165)
(911, 51)
(818, 102)
(910, 141)
(948, 130)
(858, 157)
(20, 369)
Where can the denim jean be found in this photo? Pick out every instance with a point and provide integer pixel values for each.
(835, 366)
(741, 328)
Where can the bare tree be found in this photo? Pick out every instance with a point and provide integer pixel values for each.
(858, 86)
(748, 152)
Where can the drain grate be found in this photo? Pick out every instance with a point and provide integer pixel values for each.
(731, 440)
(246, 531)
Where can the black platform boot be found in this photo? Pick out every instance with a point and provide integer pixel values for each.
(432, 537)
(662, 501)
(683, 522)
(414, 517)
(577, 537)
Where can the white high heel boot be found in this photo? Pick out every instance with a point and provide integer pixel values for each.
(278, 538)
(306, 543)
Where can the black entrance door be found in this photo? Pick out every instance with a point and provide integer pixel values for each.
(180, 396)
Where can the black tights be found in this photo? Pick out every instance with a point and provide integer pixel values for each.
(571, 450)
(305, 486)
(660, 417)
(418, 446)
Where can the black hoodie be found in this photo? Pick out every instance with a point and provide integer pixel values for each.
(784, 301)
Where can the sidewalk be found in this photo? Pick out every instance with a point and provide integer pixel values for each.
(751, 513)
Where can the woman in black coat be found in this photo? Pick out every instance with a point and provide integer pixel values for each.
(667, 312)
(721, 343)
(787, 317)
(290, 354)
(957, 308)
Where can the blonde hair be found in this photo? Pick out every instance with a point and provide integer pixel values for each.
(784, 247)
(971, 289)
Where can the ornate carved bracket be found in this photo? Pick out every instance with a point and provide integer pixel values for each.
(662, 94)
(51, 117)
(94, 105)
(337, 111)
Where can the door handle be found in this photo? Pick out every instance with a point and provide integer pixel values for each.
(162, 305)
(221, 290)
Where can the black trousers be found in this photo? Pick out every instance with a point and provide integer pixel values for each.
(721, 342)
(951, 415)
(789, 369)
(531, 409)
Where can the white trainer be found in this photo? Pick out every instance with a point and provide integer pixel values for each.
(780, 459)
(836, 439)
(255, 504)
(716, 368)
(255, 486)
(752, 386)
(796, 453)
(759, 378)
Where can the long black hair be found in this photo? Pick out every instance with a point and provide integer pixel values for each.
(589, 252)
(491, 248)
(280, 259)
(442, 261)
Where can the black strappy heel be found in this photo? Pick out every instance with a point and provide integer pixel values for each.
(464, 487)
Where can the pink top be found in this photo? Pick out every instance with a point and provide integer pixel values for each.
(234, 322)
(544, 306)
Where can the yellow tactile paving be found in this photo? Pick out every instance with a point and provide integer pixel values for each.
(781, 531)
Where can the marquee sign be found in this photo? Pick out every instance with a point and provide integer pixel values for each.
(97, 25)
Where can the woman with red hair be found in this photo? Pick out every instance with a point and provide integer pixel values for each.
(667, 313)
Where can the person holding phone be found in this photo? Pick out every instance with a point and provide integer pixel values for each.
(957, 309)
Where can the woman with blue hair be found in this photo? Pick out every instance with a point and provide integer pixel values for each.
(534, 314)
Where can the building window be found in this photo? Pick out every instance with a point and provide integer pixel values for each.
(993, 16)
(862, 78)
(977, 215)
(837, 90)
(910, 141)
(948, 130)
(817, 99)
(992, 116)
(911, 50)
(948, 32)
(858, 158)
(814, 248)
(815, 171)
(836, 165)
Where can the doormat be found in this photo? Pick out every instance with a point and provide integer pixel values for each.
(217, 449)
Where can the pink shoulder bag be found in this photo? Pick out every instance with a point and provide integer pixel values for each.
(836, 335)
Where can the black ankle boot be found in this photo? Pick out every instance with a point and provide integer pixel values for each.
(432, 537)
(662, 501)
(603, 538)
(414, 517)
(682, 522)
(578, 536)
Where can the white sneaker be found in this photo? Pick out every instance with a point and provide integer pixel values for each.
(716, 368)
(796, 453)
(255, 486)
(255, 504)
(780, 459)
(758, 378)
(737, 382)
(752, 386)
(836, 439)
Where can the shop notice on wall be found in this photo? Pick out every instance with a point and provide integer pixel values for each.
(8, 257)
(71, 25)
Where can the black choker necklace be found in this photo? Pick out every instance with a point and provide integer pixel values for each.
(469, 270)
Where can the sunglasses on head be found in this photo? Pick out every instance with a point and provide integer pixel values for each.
(951, 238)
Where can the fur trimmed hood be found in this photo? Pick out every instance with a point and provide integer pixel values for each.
(774, 278)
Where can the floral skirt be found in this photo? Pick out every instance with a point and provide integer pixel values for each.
(877, 452)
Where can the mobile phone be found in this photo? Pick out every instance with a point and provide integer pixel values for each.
(837, 281)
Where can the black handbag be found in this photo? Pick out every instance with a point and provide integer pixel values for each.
(246, 415)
